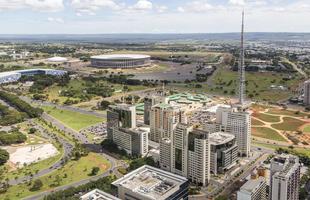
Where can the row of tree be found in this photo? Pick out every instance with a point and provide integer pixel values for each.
(14, 137)
(73, 192)
(21, 105)
(10, 117)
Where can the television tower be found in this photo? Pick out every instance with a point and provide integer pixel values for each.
(241, 68)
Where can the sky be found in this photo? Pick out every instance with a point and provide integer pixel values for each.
(152, 16)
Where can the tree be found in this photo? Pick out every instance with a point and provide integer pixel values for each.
(104, 105)
(36, 185)
(32, 130)
(94, 171)
(4, 156)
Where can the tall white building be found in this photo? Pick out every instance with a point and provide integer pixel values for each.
(180, 149)
(149, 102)
(238, 123)
(284, 178)
(254, 189)
(199, 157)
(163, 119)
(307, 92)
(187, 153)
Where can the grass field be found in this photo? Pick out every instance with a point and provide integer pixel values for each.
(267, 133)
(73, 171)
(289, 124)
(286, 112)
(266, 117)
(258, 84)
(79, 86)
(255, 122)
(74, 120)
(307, 129)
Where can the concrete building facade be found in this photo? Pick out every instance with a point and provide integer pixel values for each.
(254, 189)
(284, 178)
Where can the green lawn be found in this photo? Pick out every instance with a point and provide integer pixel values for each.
(74, 120)
(266, 118)
(73, 171)
(287, 112)
(307, 129)
(289, 124)
(258, 84)
(267, 133)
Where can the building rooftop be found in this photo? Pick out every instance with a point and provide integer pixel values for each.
(252, 185)
(151, 182)
(123, 106)
(288, 162)
(98, 195)
(220, 138)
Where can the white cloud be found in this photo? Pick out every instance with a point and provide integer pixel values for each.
(45, 5)
(37, 5)
(56, 20)
(10, 4)
(197, 6)
(161, 9)
(237, 2)
(142, 5)
(91, 6)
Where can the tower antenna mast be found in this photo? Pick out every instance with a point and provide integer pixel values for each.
(242, 66)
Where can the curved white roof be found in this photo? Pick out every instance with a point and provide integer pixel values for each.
(57, 59)
(120, 56)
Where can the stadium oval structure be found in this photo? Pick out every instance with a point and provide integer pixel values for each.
(122, 61)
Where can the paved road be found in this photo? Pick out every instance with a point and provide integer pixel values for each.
(78, 183)
(67, 151)
(230, 183)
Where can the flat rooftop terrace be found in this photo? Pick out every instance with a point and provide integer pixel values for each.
(151, 182)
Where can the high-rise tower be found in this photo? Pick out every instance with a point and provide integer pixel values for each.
(242, 66)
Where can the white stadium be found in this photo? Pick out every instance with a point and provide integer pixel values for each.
(122, 61)
(13, 76)
(57, 59)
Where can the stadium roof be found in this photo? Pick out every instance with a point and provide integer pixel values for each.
(121, 56)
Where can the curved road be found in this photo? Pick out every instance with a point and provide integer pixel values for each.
(67, 151)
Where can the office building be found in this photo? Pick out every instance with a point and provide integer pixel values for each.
(307, 93)
(187, 153)
(134, 141)
(97, 194)
(237, 123)
(199, 157)
(254, 189)
(180, 149)
(165, 154)
(224, 152)
(163, 120)
(149, 102)
(284, 178)
(120, 116)
(149, 183)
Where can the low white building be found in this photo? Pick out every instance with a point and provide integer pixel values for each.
(254, 189)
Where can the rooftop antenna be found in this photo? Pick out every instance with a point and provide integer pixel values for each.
(241, 68)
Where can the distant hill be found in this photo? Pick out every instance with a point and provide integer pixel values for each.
(153, 38)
